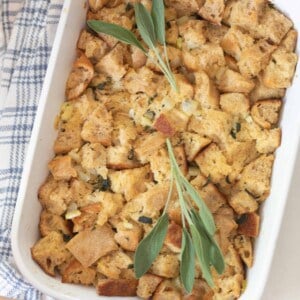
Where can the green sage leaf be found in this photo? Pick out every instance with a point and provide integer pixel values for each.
(118, 32)
(216, 257)
(145, 24)
(158, 17)
(148, 249)
(187, 261)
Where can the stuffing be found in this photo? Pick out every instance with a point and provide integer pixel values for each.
(209, 58)
(290, 40)
(249, 225)
(215, 32)
(268, 141)
(213, 164)
(231, 287)
(118, 103)
(50, 222)
(117, 287)
(112, 264)
(74, 272)
(193, 144)
(80, 192)
(61, 168)
(212, 10)
(185, 89)
(90, 245)
(230, 81)
(236, 104)
(80, 77)
(280, 71)
(205, 91)
(244, 247)
(147, 144)
(138, 58)
(193, 33)
(98, 127)
(256, 176)
(121, 157)
(166, 265)
(262, 92)
(201, 290)
(167, 291)
(172, 33)
(266, 112)
(130, 182)
(231, 63)
(242, 202)
(128, 235)
(185, 7)
(235, 41)
(112, 64)
(147, 285)
(173, 237)
(255, 58)
(50, 252)
(96, 5)
(87, 218)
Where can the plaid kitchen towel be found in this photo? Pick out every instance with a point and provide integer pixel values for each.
(27, 29)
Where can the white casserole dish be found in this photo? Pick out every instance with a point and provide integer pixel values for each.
(25, 225)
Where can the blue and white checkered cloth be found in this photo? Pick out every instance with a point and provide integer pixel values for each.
(27, 29)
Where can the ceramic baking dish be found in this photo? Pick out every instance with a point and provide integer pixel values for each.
(25, 225)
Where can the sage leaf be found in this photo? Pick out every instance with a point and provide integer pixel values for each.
(145, 25)
(187, 261)
(216, 257)
(148, 249)
(202, 255)
(158, 17)
(205, 214)
(118, 32)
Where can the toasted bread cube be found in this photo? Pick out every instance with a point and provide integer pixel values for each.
(54, 195)
(233, 82)
(120, 157)
(166, 265)
(93, 158)
(147, 285)
(255, 58)
(173, 237)
(193, 144)
(256, 176)
(160, 165)
(79, 78)
(212, 11)
(147, 144)
(268, 141)
(76, 273)
(185, 7)
(205, 91)
(209, 58)
(172, 33)
(231, 63)
(96, 5)
(266, 112)
(273, 25)
(130, 182)
(112, 64)
(201, 290)
(61, 168)
(243, 245)
(138, 58)
(229, 287)
(290, 41)
(215, 33)
(236, 41)
(280, 71)
(80, 192)
(212, 162)
(112, 264)
(193, 33)
(88, 217)
(50, 222)
(69, 137)
(242, 202)
(128, 235)
(171, 122)
(98, 127)
(262, 92)
(236, 104)
(50, 252)
(167, 291)
(213, 124)
(185, 89)
(117, 287)
(90, 245)
(250, 225)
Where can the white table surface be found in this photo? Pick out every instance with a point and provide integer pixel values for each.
(284, 279)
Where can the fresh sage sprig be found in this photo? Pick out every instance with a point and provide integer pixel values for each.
(197, 233)
(151, 27)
